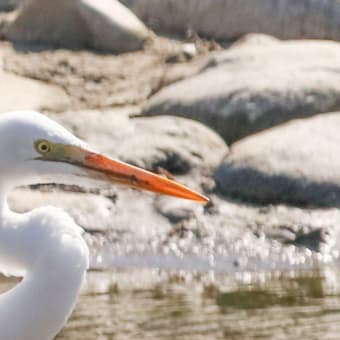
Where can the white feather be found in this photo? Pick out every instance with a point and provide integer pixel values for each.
(44, 246)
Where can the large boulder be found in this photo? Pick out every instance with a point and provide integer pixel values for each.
(229, 19)
(104, 25)
(297, 163)
(258, 83)
(94, 80)
(137, 228)
(97, 213)
(175, 144)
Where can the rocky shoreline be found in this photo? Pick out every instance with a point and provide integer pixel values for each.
(247, 123)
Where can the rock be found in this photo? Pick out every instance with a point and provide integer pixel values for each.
(297, 163)
(92, 212)
(286, 19)
(104, 25)
(96, 213)
(132, 231)
(112, 25)
(138, 228)
(313, 240)
(8, 5)
(178, 145)
(258, 83)
(177, 210)
(94, 80)
(238, 226)
(19, 93)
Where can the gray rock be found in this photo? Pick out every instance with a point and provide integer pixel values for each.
(104, 25)
(131, 230)
(19, 93)
(235, 238)
(235, 225)
(258, 83)
(137, 228)
(92, 212)
(287, 19)
(177, 211)
(94, 80)
(96, 213)
(178, 145)
(296, 163)
(8, 5)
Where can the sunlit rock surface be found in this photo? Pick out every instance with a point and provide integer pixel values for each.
(7, 5)
(129, 228)
(184, 246)
(175, 144)
(296, 163)
(103, 25)
(97, 213)
(95, 80)
(286, 19)
(258, 83)
(20, 93)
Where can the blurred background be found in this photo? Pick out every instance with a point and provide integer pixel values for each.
(239, 100)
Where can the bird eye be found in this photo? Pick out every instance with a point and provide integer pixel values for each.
(43, 146)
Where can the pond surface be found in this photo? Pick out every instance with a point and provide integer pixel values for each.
(159, 304)
(154, 304)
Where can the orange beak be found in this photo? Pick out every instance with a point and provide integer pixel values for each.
(123, 173)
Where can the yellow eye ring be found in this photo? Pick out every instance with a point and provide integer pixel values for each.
(43, 146)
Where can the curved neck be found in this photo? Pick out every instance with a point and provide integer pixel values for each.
(40, 305)
(47, 247)
(4, 209)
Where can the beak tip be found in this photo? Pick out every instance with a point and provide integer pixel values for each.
(123, 173)
(199, 198)
(204, 200)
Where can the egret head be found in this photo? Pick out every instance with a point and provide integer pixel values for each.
(35, 149)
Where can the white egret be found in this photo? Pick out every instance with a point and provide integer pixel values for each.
(45, 246)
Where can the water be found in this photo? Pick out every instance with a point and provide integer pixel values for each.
(158, 304)
(153, 304)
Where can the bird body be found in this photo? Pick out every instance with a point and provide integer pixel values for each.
(45, 246)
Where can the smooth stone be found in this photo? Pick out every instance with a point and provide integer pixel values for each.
(92, 212)
(19, 93)
(297, 163)
(267, 230)
(258, 83)
(105, 25)
(112, 25)
(8, 5)
(132, 225)
(175, 144)
(229, 19)
(97, 213)
(177, 211)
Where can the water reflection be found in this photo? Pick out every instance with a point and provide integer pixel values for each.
(149, 304)
(152, 304)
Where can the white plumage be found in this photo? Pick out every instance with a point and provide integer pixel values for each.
(45, 246)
